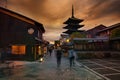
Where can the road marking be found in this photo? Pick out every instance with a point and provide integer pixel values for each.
(106, 66)
(110, 62)
(111, 74)
(82, 65)
(97, 68)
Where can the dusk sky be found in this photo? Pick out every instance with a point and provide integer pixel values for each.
(52, 13)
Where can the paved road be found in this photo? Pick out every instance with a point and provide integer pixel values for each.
(46, 70)
(109, 68)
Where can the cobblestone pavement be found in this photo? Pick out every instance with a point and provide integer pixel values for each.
(46, 70)
(109, 68)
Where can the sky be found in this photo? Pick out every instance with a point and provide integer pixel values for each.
(52, 13)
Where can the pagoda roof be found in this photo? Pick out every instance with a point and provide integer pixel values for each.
(73, 26)
(73, 20)
(71, 31)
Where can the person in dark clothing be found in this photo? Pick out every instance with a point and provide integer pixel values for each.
(50, 51)
(58, 56)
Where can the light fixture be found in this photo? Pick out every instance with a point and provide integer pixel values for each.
(30, 30)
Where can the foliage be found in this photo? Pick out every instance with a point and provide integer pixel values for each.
(77, 35)
(115, 33)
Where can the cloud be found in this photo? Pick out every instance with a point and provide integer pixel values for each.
(52, 13)
(103, 8)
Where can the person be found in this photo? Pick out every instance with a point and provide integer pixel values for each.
(50, 51)
(58, 56)
(72, 56)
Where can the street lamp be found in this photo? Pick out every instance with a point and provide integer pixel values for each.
(67, 40)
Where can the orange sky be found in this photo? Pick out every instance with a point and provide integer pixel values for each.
(52, 13)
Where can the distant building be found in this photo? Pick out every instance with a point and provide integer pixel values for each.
(107, 31)
(92, 33)
(73, 24)
(21, 34)
(99, 38)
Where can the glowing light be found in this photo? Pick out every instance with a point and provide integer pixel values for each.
(67, 40)
(41, 59)
(31, 31)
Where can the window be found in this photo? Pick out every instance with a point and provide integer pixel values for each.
(18, 49)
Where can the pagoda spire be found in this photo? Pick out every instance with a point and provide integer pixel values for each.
(72, 11)
(72, 24)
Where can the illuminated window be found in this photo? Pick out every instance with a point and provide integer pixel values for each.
(18, 49)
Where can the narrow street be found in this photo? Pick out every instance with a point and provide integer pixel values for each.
(46, 70)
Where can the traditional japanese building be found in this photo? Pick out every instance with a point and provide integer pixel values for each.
(113, 34)
(92, 33)
(107, 32)
(72, 24)
(20, 35)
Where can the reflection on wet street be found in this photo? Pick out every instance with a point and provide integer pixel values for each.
(47, 70)
(11, 69)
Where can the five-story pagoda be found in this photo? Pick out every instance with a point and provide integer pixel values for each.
(73, 24)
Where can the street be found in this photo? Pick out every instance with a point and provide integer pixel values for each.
(109, 68)
(46, 70)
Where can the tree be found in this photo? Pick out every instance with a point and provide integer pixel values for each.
(77, 35)
(115, 33)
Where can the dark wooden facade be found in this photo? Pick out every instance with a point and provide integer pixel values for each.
(14, 31)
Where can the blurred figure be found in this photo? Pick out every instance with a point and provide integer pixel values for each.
(58, 56)
(50, 51)
(72, 56)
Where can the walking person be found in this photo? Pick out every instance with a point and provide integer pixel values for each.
(72, 56)
(58, 56)
(50, 51)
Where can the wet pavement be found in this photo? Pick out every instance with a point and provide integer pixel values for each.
(46, 70)
(109, 68)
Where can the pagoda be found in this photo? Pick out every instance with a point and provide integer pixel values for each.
(72, 24)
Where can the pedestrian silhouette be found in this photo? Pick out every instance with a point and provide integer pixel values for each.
(50, 51)
(72, 56)
(58, 56)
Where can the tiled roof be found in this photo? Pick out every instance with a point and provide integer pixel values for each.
(21, 17)
(111, 27)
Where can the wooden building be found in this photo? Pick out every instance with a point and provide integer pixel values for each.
(92, 33)
(114, 41)
(20, 35)
(108, 31)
